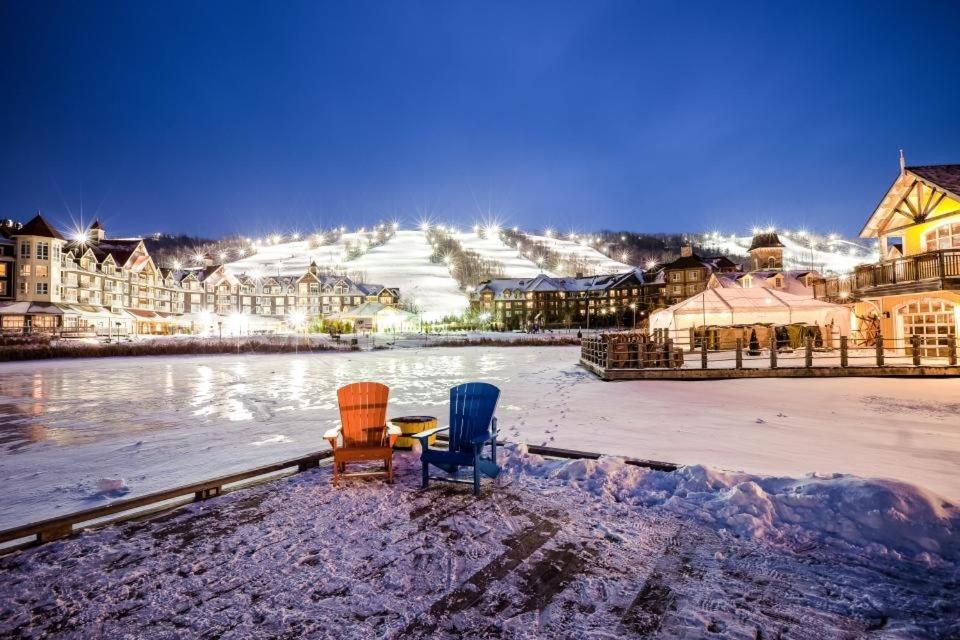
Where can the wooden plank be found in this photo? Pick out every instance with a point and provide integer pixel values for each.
(62, 525)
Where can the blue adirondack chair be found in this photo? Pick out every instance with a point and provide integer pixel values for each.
(472, 426)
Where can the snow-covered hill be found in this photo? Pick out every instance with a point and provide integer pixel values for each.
(404, 260)
(826, 254)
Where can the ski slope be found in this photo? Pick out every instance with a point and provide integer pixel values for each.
(594, 259)
(493, 248)
(293, 258)
(404, 262)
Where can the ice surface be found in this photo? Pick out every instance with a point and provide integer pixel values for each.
(166, 421)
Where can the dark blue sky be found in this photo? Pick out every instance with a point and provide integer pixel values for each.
(213, 118)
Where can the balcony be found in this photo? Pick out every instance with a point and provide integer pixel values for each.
(932, 271)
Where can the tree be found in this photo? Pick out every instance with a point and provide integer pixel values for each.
(754, 349)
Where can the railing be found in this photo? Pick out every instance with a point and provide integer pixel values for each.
(764, 348)
(935, 266)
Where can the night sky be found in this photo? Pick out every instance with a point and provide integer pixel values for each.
(215, 118)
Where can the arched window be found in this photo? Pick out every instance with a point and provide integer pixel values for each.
(771, 262)
(945, 236)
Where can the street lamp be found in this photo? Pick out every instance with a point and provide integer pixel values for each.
(633, 306)
(220, 326)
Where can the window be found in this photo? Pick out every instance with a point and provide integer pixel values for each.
(675, 276)
(41, 271)
(771, 262)
(943, 237)
(23, 287)
(43, 251)
(933, 320)
(42, 288)
(24, 271)
(24, 249)
(693, 275)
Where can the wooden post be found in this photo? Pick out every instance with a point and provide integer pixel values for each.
(703, 353)
(739, 361)
(952, 350)
(668, 352)
(879, 347)
(693, 339)
(808, 353)
(773, 349)
(915, 343)
(844, 353)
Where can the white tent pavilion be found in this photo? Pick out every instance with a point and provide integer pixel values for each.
(724, 307)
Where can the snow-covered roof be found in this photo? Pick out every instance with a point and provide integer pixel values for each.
(757, 305)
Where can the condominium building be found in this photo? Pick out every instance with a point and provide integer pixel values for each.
(100, 285)
(620, 299)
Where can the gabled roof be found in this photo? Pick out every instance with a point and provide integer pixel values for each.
(96, 225)
(945, 177)
(121, 250)
(38, 226)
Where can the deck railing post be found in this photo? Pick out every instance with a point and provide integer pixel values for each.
(844, 352)
(952, 350)
(739, 360)
(703, 353)
(808, 353)
(773, 349)
(668, 353)
(879, 349)
(915, 343)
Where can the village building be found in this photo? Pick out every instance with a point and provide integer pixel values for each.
(95, 285)
(914, 290)
(688, 275)
(766, 262)
(620, 299)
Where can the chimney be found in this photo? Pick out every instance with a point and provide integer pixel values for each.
(903, 162)
(686, 251)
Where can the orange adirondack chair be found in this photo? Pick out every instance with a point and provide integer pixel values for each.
(363, 434)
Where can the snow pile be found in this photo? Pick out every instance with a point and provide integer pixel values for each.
(882, 517)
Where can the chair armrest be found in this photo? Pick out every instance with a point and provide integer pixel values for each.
(394, 430)
(332, 433)
(423, 435)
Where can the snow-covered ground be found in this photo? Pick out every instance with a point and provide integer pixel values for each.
(164, 421)
(576, 549)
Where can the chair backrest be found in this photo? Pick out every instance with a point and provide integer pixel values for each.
(363, 405)
(471, 410)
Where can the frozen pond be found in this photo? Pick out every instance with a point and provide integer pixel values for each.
(163, 422)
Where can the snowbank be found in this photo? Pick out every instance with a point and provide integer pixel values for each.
(882, 517)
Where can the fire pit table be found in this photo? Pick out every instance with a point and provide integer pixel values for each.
(410, 425)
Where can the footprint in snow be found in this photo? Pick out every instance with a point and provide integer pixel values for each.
(781, 415)
(761, 421)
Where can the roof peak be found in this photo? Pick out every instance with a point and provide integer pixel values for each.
(38, 226)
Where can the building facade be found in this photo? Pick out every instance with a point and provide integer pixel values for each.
(914, 290)
(688, 275)
(107, 286)
(617, 300)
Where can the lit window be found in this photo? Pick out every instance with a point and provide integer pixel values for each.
(944, 237)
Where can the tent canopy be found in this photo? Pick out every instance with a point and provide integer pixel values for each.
(756, 305)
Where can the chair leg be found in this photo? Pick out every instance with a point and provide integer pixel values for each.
(425, 478)
(389, 465)
(476, 473)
